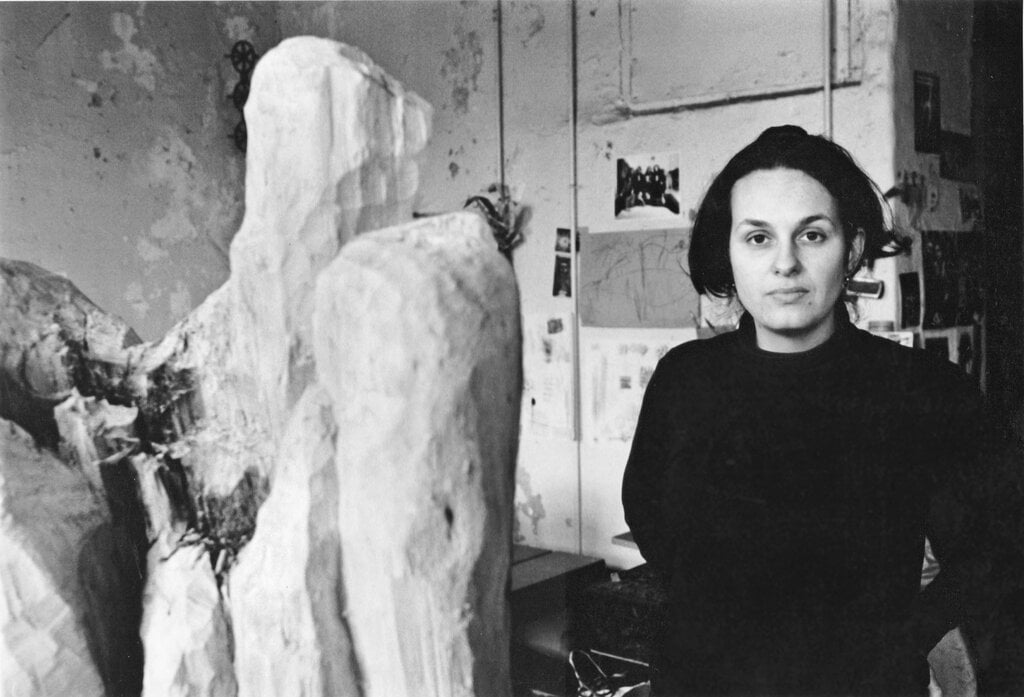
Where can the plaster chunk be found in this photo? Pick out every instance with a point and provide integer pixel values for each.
(55, 339)
(296, 613)
(185, 630)
(52, 609)
(426, 405)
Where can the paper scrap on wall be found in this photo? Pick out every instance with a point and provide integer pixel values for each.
(547, 375)
(617, 367)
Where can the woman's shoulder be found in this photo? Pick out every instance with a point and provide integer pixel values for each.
(697, 364)
(699, 353)
(914, 369)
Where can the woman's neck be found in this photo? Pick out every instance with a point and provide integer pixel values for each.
(797, 341)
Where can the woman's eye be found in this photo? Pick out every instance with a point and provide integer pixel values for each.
(814, 236)
(758, 238)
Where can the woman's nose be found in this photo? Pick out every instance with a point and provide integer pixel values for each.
(786, 261)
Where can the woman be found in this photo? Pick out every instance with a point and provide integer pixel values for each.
(783, 477)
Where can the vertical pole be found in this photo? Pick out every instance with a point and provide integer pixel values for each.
(501, 101)
(575, 273)
(826, 65)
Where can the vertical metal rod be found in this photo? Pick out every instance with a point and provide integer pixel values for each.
(501, 102)
(826, 65)
(574, 273)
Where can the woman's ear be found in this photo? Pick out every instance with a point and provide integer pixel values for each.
(855, 254)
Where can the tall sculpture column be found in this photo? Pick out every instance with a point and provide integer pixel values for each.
(323, 451)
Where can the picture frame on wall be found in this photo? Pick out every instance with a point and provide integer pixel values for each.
(927, 105)
(647, 187)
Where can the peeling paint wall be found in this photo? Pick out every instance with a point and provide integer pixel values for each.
(115, 160)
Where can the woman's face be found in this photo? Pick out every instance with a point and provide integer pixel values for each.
(788, 256)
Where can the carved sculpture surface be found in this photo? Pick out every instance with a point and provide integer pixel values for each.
(305, 488)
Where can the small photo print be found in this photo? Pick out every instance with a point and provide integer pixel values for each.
(562, 287)
(647, 186)
(563, 240)
(910, 300)
(970, 205)
(927, 131)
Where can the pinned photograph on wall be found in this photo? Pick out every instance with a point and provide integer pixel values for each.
(970, 205)
(941, 285)
(910, 300)
(956, 157)
(563, 240)
(927, 128)
(953, 265)
(647, 187)
(970, 258)
(562, 286)
(966, 351)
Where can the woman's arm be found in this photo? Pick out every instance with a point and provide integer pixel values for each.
(974, 524)
(645, 484)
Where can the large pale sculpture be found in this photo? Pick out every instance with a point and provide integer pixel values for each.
(314, 469)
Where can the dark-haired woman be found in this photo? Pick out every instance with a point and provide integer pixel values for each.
(783, 478)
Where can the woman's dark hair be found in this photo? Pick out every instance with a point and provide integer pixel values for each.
(858, 200)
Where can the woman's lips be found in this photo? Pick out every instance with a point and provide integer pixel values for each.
(788, 293)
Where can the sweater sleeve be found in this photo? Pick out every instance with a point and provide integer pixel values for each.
(974, 522)
(645, 490)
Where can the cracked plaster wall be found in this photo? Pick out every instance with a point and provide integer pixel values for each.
(115, 161)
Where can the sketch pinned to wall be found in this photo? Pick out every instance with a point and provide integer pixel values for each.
(547, 407)
(647, 187)
(636, 279)
(927, 128)
(616, 371)
(562, 284)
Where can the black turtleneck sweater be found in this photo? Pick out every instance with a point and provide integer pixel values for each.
(785, 499)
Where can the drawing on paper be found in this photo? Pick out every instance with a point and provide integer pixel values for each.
(636, 279)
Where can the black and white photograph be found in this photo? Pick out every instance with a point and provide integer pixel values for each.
(494, 348)
(647, 186)
(927, 114)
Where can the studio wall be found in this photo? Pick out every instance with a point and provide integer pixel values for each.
(117, 168)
